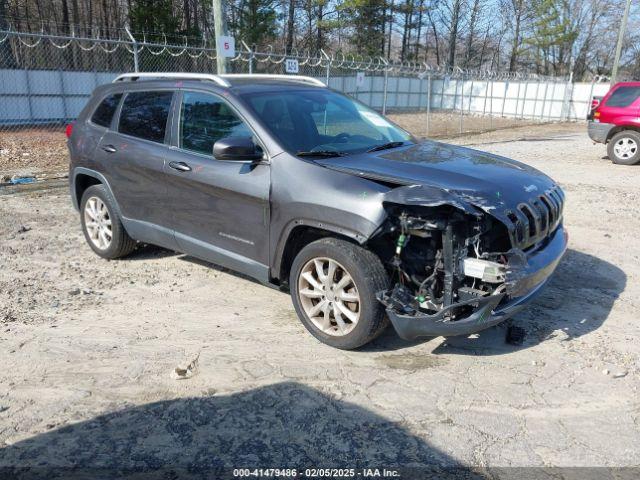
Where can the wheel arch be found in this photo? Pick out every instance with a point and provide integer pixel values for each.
(84, 178)
(621, 128)
(300, 233)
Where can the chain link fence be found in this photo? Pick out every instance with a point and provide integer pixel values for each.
(45, 81)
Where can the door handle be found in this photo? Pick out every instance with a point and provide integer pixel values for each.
(109, 149)
(180, 166)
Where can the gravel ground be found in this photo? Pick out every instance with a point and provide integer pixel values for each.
(446, 125)
(89, 349)
(32, 151)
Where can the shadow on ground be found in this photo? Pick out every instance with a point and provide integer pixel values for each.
(285, 425)
(150, 252)
(577, 301)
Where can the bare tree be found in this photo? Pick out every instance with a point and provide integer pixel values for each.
(291, 14)
(7, 59)
(475, 14)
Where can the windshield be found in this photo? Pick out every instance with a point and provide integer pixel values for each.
(323, 121)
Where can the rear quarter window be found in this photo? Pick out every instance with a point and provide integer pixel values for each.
(144, 115)
(623, 97)
(104, 113)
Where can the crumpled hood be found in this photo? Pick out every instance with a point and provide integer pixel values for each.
(485, 180)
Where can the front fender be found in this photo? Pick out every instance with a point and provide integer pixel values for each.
(338, 229)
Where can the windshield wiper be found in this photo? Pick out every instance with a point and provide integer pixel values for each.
(321, 153)
(385, 146)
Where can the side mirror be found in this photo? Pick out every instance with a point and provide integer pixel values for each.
(236, 148)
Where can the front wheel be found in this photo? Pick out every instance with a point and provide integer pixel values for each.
(333, 287)
(624, 148)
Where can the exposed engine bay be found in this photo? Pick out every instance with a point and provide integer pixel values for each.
(467, 240)
(441, 260)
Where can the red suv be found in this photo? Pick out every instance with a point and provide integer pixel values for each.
(615, 121)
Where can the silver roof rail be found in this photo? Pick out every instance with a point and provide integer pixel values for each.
(295, 78)
(218, 79)
(175, 75)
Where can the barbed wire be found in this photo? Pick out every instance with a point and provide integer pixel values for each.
(269, 56)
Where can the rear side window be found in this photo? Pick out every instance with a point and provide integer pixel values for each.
(104, 113)
(144, 115)
(623, 97)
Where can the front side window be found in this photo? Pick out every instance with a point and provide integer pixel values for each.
(144, 115)
(623, 97)
(104, 113)
(205, 119)
(313, 120)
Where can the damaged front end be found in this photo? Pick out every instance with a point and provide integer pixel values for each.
(458, 265)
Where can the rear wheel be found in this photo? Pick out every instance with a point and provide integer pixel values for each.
(624, 148)
(101, 225)
(333, 286)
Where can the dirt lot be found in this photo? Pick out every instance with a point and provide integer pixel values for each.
(88, 348)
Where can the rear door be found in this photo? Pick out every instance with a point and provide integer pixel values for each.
(220, 209)
(133, 154)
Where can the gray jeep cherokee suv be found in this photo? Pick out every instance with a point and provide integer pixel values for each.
(293, 184)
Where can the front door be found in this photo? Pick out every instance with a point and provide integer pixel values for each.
(220, 209)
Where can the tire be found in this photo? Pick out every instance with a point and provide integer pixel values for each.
(368, 277)
(624, 148)
(120, 244)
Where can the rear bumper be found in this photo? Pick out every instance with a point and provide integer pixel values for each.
(524, 282)
(598, 132)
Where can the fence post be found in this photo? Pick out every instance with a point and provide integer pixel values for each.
(567, 99)
(504, 97)
(386, 85)
(328, 73)
(136, 65)
(428, 103)
(491, 106)
(593, 82)
(524, 100)
(250, 56)
(553, 97)
(486, 95)
(461, 103)
(535, 99)
(544, 99)
(515, 110)
(455, 96)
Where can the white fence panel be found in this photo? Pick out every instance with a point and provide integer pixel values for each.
(45, 96)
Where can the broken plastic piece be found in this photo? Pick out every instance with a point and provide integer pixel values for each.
(21, 180)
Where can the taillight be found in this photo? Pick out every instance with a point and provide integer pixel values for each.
(69, 130)
(596, 115)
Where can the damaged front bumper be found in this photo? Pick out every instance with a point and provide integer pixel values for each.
(526, 276)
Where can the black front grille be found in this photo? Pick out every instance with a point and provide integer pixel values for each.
(534, 220)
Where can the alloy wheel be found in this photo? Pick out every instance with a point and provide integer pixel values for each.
(329, 296)
(98, 223)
